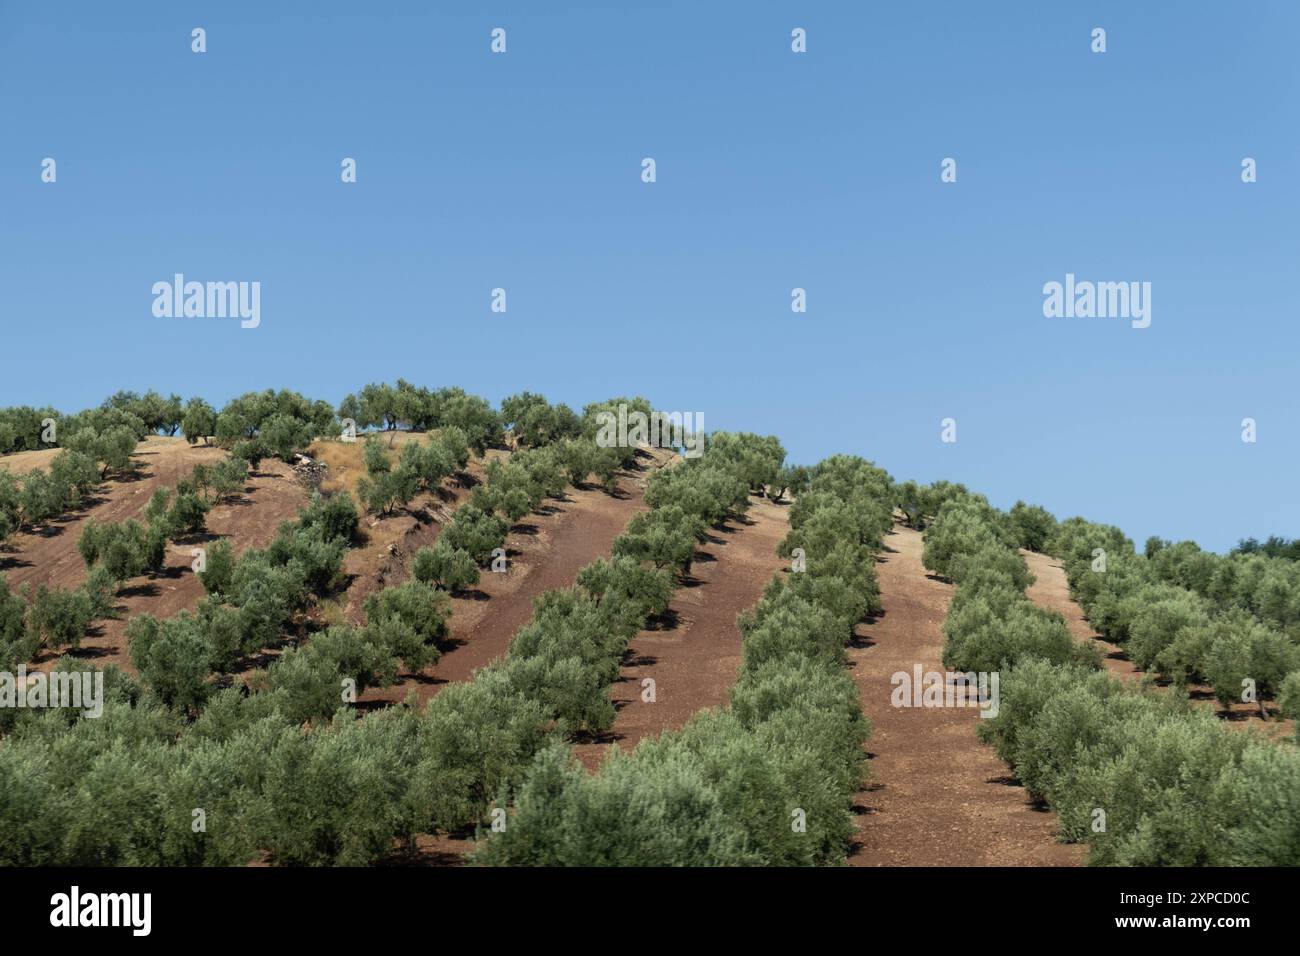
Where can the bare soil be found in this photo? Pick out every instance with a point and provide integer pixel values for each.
(936, 795)
(49, 556)
(694, 656)
(545, 551)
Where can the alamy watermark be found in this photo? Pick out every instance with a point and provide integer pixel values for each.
(1099, 300)
(179, 299)
(75, 908)
(628, 429)
(78, 690)
(946, 689)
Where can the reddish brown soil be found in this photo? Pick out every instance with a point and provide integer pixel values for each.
(694, 660)
(545, 552)
(50, 557)
(1051, 590)
(388, 542)
(936, 795)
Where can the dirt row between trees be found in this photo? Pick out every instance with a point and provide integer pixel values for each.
(1051, 591)
(936, 796)
(272, 495)
(694, 658)
(545, 552)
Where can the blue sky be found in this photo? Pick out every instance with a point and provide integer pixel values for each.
(775, 171)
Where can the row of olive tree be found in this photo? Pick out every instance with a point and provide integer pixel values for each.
(1168, 628)
(29, 501)
(1168, 782)
(1265, 586)
(342, 792)
(990, 622)
(251, 600)
(769, 780)
(24, 428)
(114, 552)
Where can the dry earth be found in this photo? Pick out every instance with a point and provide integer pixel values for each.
(50, 556)
(694, 657)
(545, 552)
(936, 796)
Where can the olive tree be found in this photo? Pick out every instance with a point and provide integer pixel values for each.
(445, 567)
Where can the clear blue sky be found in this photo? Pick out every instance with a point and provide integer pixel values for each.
(775, 170)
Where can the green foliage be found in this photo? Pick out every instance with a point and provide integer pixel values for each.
(792, 478)
(374, 455)
(509, 490)
(281, 422)
(11, 513)
(249, 450)
(17, 643)
(110, 446)
(964, 526)
(311, 680)
(1272, 547)
(665, 536)
(1156, 624)
(219, 568)
(58, 618)
(21, 428)
(567, 656)
(385, 488)
(1177, 786)
(173, 657)
(126, 549)
(423, 410)
(159, 502)
(1288, 698)
(199, 420)
(1259, 800)
(39, 499)
(920, 504)
(722, 790)
(335, 517)
(156, 413)
(75, 475)
(995, 628)
(100, 588)
(594, 420)
(535, 421)
(34, 498)
(227, 478)
(1031, 526)
(445, 567)
(785, 624)
(476, 532)
(335, 795)
(283, 435)
(755, 459)
(309, 554)
(188, 515)
(422, 612)
(1250, 653)
(624, 584)
(623, 816)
